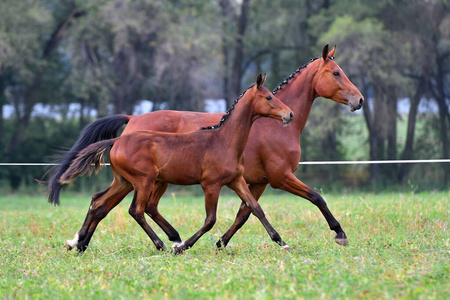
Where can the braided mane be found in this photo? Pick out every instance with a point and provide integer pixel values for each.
(284, 82)
(287, 79)
(227, 114)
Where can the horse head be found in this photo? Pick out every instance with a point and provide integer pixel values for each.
(332, 83)
(266, 104)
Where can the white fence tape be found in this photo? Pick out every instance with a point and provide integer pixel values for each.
(374, 162)
(344, 162)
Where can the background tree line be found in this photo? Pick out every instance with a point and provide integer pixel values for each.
(105, 56)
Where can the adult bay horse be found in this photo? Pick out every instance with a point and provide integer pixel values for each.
(272, 153)
(210, 157)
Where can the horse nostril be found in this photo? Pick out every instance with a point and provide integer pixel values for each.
(361, 101)
(291, 115)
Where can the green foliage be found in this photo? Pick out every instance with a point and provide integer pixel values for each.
(108, 55)
(398, 249)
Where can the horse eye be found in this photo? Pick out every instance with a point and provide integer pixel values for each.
(269, 98)
(336, 74)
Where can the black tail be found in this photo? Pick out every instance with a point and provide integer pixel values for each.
(101, 129)
(89, 158)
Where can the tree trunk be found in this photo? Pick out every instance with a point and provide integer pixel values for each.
(391, 130)
(225, 8)
(408, 150)
(82, 116)
(1, 118)
(439, 95)
(368, 117)
(237, 72)
(2, 101)
(390, 171)
(378, 137)
(23, 120)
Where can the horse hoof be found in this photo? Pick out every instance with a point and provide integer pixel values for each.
(220, 244)
(286, 248)
(68, 246)
(178, 248)
(161, 247)
(341, 241)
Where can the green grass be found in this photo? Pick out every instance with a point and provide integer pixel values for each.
(399, 248)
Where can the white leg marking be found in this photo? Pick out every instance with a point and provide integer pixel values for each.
(286, 247)
(176, 244)
(74, 242)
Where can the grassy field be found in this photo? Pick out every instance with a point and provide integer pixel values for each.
(399, 248)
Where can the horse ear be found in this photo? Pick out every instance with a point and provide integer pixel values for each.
(259, 81)
(325, 52)
(264, 79)
(331, 54)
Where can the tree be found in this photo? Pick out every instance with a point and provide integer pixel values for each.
(28, 66)
(374, 64)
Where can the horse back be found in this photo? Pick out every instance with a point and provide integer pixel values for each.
(172, 121)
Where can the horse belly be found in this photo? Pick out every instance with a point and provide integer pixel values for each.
(181, 173)
(254, 170)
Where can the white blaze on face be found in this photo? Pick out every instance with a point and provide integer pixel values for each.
(74, 242)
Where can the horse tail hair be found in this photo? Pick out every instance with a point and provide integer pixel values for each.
(86, 161)
(102, 129)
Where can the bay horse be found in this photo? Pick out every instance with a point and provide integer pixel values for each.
(272, 153)
(213, 158)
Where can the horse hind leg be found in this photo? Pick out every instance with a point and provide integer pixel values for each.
(101, 204)
(137, 211)
(294, 186)
(152, 211)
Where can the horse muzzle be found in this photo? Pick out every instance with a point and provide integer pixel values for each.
(357, 105)
(288, 118)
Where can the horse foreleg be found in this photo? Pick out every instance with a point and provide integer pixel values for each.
(137, 211)
(211, 199)
(240, 187)
(242, 215)
(152, 211)
(101, 204)
(293, 185)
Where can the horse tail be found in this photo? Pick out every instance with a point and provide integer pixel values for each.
(101, 129)
(86, 161)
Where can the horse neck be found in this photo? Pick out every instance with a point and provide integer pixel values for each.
(236, 129)
(299, 95)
